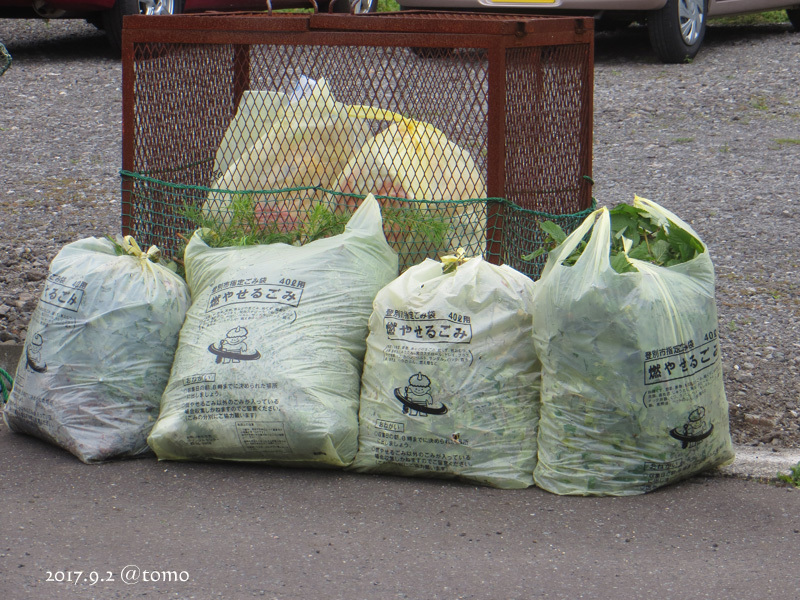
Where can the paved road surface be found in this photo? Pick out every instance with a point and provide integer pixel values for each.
(238, 531)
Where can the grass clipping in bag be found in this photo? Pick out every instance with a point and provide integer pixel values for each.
(632, 390)
(269, 362)
(99, 350)
(451, 382)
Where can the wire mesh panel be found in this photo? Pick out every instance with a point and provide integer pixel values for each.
(276, 124)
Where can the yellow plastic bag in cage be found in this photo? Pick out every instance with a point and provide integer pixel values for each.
(307, 144)
(410, 159)
(414, 160)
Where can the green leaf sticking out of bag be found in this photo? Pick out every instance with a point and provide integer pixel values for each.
(632, 391)
(635, 233)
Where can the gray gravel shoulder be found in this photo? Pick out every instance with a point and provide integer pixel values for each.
(716, 141)
(61, 151)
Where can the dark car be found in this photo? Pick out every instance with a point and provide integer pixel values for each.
(107, 14)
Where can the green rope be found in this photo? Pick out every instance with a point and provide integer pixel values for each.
(5, 59)
(203, 188)
(521, 225)
(580, 216)
(6, 383)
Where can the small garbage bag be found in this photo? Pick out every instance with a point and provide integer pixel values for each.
(99, 350)
(632, 390)
(451, 381)
(269, 362)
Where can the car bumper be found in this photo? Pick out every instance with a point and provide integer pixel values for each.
(576, 6)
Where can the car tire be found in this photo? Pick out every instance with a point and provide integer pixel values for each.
(112, 18)
(358, 7)
(794, 17)
(677, 30)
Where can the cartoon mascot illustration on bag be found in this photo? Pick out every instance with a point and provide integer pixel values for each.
(233, 347)
(33, 354)
(695, 430)
(417, 399)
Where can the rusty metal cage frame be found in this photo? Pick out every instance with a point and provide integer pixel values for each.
(528, 61)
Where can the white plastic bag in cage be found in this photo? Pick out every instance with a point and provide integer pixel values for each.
(451, 381)
(269, 362)
(256, 110)
(99, 351)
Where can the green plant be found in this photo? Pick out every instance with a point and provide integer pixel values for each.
(787, 141)
(759, 102)
(793, 478)
(245, 224)
(244, 228)
(383, 6)
(634, 234)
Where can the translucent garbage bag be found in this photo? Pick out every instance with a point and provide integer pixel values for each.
(451, 382)
(99, 350)
(632, 390)
(269, 362)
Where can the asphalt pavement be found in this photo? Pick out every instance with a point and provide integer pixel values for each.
(148, 529)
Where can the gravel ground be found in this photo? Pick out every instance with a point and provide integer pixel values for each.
(716, 141)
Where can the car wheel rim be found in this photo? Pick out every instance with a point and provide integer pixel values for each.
(691, 15)
(157, 7)
(360, 6)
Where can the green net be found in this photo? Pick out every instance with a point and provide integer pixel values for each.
(165, 213)
(6, 383)
(5, 59)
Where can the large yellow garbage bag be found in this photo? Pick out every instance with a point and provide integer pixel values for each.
(306, 144)
(414, 160)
